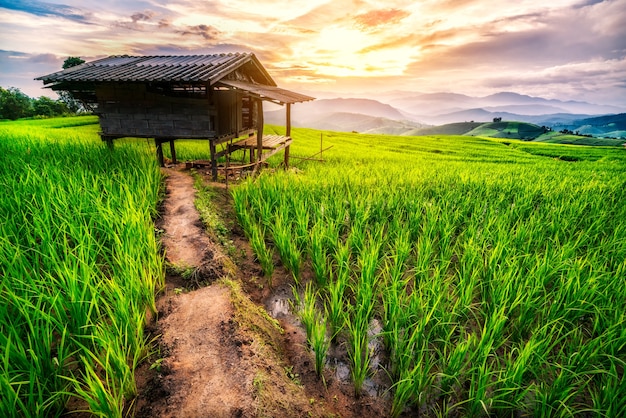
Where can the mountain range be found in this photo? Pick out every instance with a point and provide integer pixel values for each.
(405, 113)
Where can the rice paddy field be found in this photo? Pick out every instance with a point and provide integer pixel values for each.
(496, 269)
(79, 266)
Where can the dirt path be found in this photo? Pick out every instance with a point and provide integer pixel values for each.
(220, 354)
(197, 375)
(184, 239)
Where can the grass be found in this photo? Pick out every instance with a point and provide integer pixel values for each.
(79, 267)
(495, 267)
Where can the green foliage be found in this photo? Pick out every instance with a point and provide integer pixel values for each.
(496, 269)
(15, 105)
(72, 62)
(45, 106)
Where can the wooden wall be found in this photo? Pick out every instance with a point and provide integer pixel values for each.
(128, 109)
(229, 105)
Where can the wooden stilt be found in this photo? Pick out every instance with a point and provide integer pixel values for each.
(159, 151)
(213, 161)
(173, 152)
(259, 128)
(287, 132)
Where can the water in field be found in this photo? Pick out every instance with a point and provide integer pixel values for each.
(280, 306)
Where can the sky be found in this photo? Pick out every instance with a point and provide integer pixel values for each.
(556, 49)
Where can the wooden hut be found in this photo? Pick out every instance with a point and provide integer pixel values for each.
(218, 98)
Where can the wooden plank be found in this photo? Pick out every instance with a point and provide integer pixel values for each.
(267, 155)
(269, 142)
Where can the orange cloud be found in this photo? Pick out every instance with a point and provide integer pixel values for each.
(376, 18)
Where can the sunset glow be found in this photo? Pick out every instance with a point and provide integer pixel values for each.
(474, 47)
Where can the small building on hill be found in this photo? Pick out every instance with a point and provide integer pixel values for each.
(218, 98)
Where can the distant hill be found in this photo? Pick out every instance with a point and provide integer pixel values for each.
(482, 115)
(316, 108)
(347, 115)
(459, 128)
(503, 129)
(426, 106)
(406, 113)
(352, 122)
(608, 126)
(515, 130)
(511, 130)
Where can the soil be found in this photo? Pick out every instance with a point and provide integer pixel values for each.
(219, 353)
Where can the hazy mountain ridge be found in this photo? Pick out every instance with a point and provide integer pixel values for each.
(347, 115)
(436, 104)
(404, 113)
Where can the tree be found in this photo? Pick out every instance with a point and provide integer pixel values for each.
(66, 97)
(72, 62)
(14, 104)
(72, 105)
(45, 106)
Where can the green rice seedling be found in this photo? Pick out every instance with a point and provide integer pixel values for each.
(335, 300)
(358, 350)
(80, 264)
(456, 364)
(320, 343)
(301, 224)
(287, 248)
(306, 309)
(361, 313)
(508, 293)
(318, 255)
(315, 325)
(263, 253)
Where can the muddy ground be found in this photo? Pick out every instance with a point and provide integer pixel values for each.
(219, 353)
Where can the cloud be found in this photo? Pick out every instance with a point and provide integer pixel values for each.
(142, 17)
(206, 31)
(569, 46)
(137, 21)
(40, 8)
(375, 18)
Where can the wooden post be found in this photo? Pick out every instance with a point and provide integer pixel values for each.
(159, 151)
(287, 133)
(213, 160)
(227, 167)
(259, 130)
(109, 142)
(173, 152)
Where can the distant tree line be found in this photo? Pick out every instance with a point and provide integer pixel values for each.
(577, 133)
(15, 105)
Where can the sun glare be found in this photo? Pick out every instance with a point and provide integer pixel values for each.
(348, 52)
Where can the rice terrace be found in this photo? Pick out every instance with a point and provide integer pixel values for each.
(452, 275)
